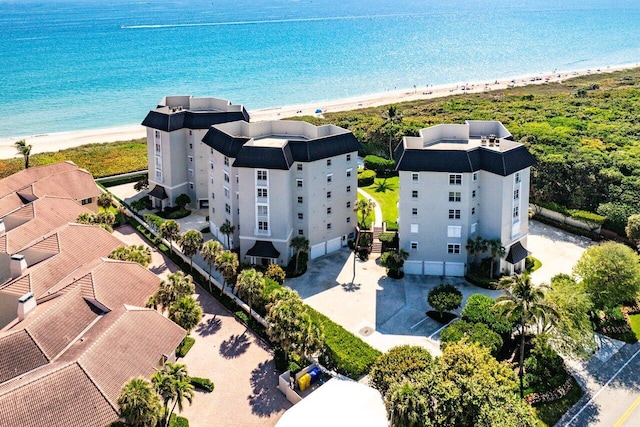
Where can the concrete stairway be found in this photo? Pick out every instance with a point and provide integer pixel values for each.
(376, 248)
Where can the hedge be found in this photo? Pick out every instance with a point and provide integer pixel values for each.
(118, 180)
(380, 165)
(185, 346)
(588, 217)
(204, 384)
(366, 178)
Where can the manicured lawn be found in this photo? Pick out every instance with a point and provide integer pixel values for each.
(634, 319)
(387, 198)
(549, 413)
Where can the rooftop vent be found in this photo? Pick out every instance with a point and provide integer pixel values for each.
(18, 265)
(26, 304)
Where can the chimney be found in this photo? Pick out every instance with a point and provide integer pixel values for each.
(18, 265)
(26, 304)
(3, 229)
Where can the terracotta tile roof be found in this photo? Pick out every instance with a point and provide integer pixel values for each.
(26, 177)
(39, 218)
(19, 353)
(58, 395)
(78, 244)
(10, 202)
(134, 344)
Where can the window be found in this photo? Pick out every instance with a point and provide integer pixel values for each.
(329, 226)
(227, 208)
(414, 194)
(473, 211)
(414, 246)
(263, 210)
(299, 167)
(454, 213)
(191, 172)
(328, 211)
(473, 194)
(349, 173)
(263, 225)
(348, 157)
(87, 201)
(211, 165)
(348, 219)
(475, 176)
(226, 192)
(226, 161)
(473, 228)
(455, 196)
(414, 211)
(455, 179)
(453, 248)
(190, 159)
(157, 134)
(263, 192)
(191, 185)
(348, 205)
(328, 194)
(414, 228)
(211, 179)
(516, 212)
(158, 162)
(300, 232)
(329, 178)
(226, 177)
(454, 231)
(348, 189)
(261, 175)
(300, 215)
(517, 177)
(300, 199)
(237, 179)
(190, 144)
(211, 151)
(158, 147)
(158, 175)
(516, 194)
(213, 195)
(299, 183)
(415, 176)
(328, 162)
(213, 211)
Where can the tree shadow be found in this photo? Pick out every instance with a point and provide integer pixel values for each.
(209, 327)
(265, 399)
(350, 287)
(235, 346)
(158, 269)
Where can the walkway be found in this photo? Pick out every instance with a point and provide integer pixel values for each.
(377, 211)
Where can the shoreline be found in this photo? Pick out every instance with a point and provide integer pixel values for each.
(53, 142)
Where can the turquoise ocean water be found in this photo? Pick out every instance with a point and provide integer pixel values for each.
(70, 65)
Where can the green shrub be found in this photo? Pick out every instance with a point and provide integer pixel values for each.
(544, 368)
(552, 206)
(185, 346)
(276, 273)
(480, 309)
(444, 297)
(112, 182)
(294, 368)
(366, 178)
(382, 167)
(202, 383)
(154, 221)
(590, 218)
(398, 363)
(473, 332)
(172, 213)
(178, 421)
(387, 237)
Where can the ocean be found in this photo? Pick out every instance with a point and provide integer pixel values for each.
(72, 65)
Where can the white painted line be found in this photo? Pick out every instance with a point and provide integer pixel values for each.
(418, 323)
(431, 336)
(603, 387)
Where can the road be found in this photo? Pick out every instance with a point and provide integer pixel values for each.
(612, 397)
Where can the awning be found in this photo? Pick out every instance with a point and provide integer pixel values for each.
(158, 192)
(517, 253)
(263, 249)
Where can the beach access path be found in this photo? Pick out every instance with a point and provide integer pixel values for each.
(58, 141)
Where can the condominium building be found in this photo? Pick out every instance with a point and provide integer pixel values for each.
(275, 180)
(457, 182)
(178, 160)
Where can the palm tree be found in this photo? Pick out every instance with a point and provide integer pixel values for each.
(135, 253)
(250, 285)
(169, 230)
(406, 405)
(227, 229)
(105, 200)
(475, 247)
(190, 243)
(139, 404)
(24, 150)
(525, 304)
(174, 288)
(183, 390)
(392, 117)
(186, 312)
(227, 263)
(172, 383)
(299, 244)
(365, 207)
(209, 251)
(497, 250)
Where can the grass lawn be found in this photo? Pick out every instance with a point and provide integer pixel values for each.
(387, 198)
(369, 219)
(549, 413)
(634, 319)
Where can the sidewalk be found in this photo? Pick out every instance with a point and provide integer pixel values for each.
(377, 211)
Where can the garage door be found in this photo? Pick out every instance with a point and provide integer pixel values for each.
(412, 267)
(433, 268)
(454, 269)
(317, 250)
(334, 244)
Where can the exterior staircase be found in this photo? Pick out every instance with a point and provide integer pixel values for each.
(376, 247)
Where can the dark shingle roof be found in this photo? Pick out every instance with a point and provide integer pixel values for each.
(168, 121)
(516, 253)
(264, 249)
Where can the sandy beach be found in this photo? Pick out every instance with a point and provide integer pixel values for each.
(57, 141)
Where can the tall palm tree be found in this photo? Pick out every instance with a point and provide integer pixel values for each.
(497, 250)
(250, 285)
(172, 383)
(183, 391)
(139, 403)
(174, 288)
(475, 247)
(24, 150)
(227, 229)
(190, 243)
(209, 251)
(227, 264)
(525, 304)
(365, 207)
(392, 117)
(299, 244)
(169, 230)
(186, 312)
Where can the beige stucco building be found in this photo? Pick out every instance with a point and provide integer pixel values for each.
(457, 182)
